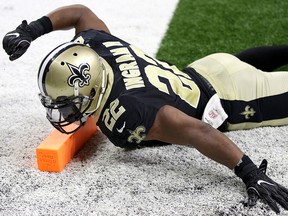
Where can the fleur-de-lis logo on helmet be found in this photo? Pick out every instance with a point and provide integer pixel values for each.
(79, 74)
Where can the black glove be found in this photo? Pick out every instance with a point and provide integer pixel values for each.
(253, 196)
(259, 185)
(16, 42)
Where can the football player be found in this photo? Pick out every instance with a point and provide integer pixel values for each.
(136, 99)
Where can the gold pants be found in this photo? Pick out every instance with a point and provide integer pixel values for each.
(246, 93)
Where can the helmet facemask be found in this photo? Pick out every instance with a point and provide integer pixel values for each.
(67, 110)
(68, 105)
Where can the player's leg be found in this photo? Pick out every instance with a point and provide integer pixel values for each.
(250, 97)
(266, 58)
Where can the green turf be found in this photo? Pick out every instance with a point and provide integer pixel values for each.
(201, 27)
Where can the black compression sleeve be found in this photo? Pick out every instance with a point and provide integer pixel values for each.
(266, 58)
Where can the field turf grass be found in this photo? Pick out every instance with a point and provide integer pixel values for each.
(202, 27)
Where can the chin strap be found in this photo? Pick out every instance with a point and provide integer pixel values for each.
(103, 85)
(102, 90)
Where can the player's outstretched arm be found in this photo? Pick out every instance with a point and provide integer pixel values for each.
(79, 17)
(76, 16)
(173, 126)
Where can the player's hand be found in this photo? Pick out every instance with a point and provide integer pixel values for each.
(259, 185)
(252, 194)
(16, 42)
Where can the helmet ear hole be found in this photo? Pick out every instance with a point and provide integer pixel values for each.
(93, 92)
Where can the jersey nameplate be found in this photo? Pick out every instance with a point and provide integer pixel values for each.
(127, 65)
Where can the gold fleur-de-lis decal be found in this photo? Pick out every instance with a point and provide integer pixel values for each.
(137, 135)
(249, 112)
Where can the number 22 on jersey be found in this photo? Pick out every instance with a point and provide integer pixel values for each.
(180, 83)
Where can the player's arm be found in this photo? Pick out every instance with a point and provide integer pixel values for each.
(174, 126)
(79, 17)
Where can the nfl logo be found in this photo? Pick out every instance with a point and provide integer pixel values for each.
(212, 114)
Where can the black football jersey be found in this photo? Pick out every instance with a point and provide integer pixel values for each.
(140, 86)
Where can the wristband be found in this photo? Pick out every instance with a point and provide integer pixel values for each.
(40, 27)
(46, 23)
(244, 166)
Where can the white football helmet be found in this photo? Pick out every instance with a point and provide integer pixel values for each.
(72, 81)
